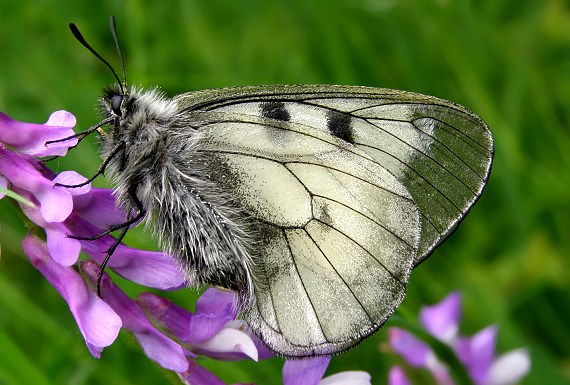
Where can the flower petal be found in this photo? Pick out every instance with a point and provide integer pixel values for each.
(305, 372)
(408, 346)
(477, 353)
(229, 344)
(3, 186)
(397, 376)
(99, 208)
(347, 378)
(31, 138)
(509, 368)
(189, 328)
(64, 250)
(71, 178)
(216, 302)
(214, 309)
(263, 351)
(167, 315)
(55, 203)
(442, 319)
(439, 370)
(156, 345)
(98, 323)
(147, 268)
(197, 375)
(225, 340)
(61, 118)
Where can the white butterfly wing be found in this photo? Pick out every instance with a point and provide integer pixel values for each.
(439, 150)
(350, 187)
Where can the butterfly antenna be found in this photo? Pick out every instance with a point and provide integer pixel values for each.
(81, 39)
(113, 27)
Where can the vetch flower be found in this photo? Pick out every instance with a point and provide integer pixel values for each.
(476, 353)
(31, 138)
(509, 367)
(168, 334)
(94, 211)
(98, 323)
(418, 354)
(347, 378)
(25, 177)
(311, 371)
(63, 212)
(156, 345)
(397, 376)
(210, 331)
(442, 319)
(63, 250)
(305, 372)
(197, 375)
(3, 186)
(28, 174)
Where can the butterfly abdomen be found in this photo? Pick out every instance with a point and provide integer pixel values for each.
(200, 234)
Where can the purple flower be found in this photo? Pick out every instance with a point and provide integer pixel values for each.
(27, 174)
(197, 375)
(156, 345)
(33, 184)
(476, 353)
(63, 250)
(397, 376)
(210, 331)
(347, 378)
(306, 372)
(442, 319)
(84, 211)
(3, 186)
(31, 138)
(94, 211)
(170, 335)
(310, 372)
(98, 323)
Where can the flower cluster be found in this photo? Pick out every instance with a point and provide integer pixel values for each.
(476, 353)
(168, 334)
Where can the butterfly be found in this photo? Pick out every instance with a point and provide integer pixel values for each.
(313, 202)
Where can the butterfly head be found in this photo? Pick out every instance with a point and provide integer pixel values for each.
(115, 100)
(134, 114)
(117, 106)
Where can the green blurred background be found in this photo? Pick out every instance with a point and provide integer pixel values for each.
(509, 61)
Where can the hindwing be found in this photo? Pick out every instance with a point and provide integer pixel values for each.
(349, 187)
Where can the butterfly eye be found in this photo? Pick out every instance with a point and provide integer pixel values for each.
(116, 104)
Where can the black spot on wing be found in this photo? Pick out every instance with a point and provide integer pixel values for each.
(338, 124)
(275, 110)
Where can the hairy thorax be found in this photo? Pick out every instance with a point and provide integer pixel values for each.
(156, 167)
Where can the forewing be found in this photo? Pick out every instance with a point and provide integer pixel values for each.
(438, 150)
(337, 233)
(349, 186)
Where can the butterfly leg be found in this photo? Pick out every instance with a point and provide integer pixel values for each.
(83, 134)
(100, 170)
(124, 227)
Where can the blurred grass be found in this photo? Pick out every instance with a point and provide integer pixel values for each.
(508, 61)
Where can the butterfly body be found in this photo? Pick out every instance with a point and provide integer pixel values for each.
(154, 159)
(314, 203)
